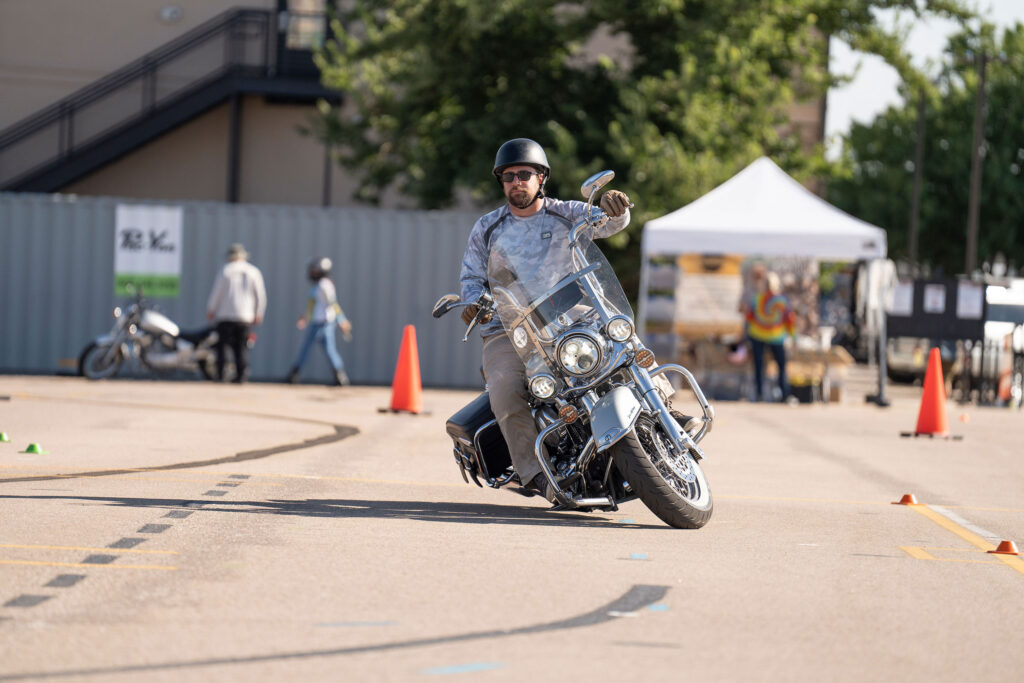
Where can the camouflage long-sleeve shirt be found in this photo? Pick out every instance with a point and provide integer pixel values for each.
(543, 238)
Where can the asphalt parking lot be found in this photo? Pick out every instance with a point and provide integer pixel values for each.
(191, 531)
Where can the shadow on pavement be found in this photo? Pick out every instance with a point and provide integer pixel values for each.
(633, 600)
(459, 513)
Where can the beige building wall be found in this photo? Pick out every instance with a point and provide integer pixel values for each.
(278, 164)
(190, 162)
(51, 48)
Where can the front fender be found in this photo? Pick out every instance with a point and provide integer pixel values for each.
(613, 417)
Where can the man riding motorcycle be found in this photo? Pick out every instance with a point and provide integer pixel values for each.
(542, 226)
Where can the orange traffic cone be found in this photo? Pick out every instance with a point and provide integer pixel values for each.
(406, 390)
(931, 418)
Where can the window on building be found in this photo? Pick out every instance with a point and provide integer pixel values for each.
(305, 24)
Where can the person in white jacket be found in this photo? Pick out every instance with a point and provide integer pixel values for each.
(237, 301)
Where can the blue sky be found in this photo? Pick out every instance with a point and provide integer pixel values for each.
(874, 88)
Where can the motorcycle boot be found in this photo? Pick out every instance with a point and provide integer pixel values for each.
(293, 376)
(691, 424)
(341, 378)
(541, 486)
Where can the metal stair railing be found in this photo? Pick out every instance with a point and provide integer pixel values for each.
(239, 41)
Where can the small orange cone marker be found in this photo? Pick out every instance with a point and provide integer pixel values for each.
(406, 389)
(1006, 548)
(35, 448)
(907, 499)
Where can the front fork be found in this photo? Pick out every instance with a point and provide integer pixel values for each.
(652, 397)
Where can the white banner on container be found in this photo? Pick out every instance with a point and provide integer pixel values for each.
(147, 249)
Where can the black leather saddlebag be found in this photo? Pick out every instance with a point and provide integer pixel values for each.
(463, 427)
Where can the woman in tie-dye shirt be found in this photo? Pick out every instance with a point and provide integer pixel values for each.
(769, 322)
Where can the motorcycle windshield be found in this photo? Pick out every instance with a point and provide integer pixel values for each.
(541, 293)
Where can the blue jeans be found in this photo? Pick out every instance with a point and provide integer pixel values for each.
(779, 354)
(324, 332)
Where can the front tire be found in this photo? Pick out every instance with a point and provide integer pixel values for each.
(673, 486)
(94, 363)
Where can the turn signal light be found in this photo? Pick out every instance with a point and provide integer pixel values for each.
(568, 413)
(645, 358)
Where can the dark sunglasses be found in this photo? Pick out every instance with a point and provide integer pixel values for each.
(509, 176)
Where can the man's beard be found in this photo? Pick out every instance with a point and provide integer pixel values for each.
(520, 199)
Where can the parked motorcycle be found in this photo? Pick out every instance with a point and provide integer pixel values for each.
(607, 430)
(155, 341)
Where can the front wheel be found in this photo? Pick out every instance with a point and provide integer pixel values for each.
(99, 361)
(671, 484)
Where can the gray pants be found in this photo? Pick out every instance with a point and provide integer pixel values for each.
(506, 384)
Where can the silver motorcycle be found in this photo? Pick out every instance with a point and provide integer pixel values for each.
(602, 406)
(146, 336)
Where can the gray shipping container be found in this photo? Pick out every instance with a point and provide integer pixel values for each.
(390, 266)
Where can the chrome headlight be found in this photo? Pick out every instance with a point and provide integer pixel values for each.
(519, 337)
(620, 329)
(542, 386)
(579, 354)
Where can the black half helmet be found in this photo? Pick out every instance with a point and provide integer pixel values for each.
(522, 152)
(319, 268)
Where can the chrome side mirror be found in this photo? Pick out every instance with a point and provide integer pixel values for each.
(595, 182)
(444, 304)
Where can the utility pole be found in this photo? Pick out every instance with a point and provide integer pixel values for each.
(915, 193)
(977, 152)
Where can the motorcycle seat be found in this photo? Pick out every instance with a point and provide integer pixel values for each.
(196, 336)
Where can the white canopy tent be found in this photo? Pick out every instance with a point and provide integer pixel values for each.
(763, 211)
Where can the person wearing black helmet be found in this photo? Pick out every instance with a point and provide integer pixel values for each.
(539, 222)
(322, 314)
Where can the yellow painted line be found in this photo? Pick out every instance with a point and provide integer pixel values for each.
(968, 507)
(135, 477)
(776, 499)
(360, 480)
(919, 553)
(916, 553)
(853, 502)
(104, 550)
(90, 566)
(1012, 561)
(951, 526)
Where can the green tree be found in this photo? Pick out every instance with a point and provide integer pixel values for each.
(434, 86)
(874, 177)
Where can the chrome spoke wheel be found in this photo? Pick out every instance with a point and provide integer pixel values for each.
(677, 468)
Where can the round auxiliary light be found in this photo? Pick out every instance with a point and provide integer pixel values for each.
(568, 413)
(542, 386)
(620, 329)
(645, 358)
(579, 354)
(117, 311)
(519, 337)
